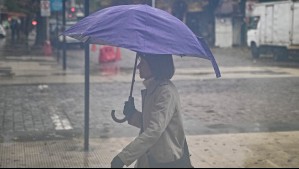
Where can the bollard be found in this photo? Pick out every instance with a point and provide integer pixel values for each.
(107, 54)
(47, 48)
(117, 54)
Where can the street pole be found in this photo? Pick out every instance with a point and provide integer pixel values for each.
(1, 11)
(154, 3)
(47, 28)
(244, 26)
(87, 83)
(57, 34)
(64, 40)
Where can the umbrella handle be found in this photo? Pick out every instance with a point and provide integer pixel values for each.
(116, 119)
(131, 92)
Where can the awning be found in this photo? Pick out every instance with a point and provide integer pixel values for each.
(14, 14)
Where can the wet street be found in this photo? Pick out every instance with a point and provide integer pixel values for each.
(39, 101)
(252, 95)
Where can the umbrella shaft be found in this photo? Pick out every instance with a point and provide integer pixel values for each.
(133, 78)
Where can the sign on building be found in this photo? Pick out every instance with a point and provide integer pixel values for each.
(56, 5)
(45, 8)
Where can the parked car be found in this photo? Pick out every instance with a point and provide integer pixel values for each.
(2, 32)
(58, 41)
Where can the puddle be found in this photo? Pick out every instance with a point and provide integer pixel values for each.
(225, 128)
(267, 72)
(252, 127)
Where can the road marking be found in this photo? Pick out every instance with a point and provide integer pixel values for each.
(61, 123)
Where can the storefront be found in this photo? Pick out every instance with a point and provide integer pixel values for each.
(230, 23)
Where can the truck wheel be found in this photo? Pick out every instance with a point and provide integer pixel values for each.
(280, 54)
(255, 52)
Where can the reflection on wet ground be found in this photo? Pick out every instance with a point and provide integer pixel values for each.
(22, 46)
(256, 127)
(214, 115)
(19, 48)
(209, 107)
(42, 108)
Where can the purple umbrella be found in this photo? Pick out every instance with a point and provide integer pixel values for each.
(142, 29)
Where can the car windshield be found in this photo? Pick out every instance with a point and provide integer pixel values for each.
(1, 28)
(253, 22)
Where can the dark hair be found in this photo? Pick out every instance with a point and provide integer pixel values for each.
(161, 65)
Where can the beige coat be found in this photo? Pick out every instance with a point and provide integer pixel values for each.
(163, 136)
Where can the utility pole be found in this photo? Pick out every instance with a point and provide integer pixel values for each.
(56, 6)
(87, 84)
(154, 3)
(244, 26)
(45, 13)
(64, 38)
(1, 3)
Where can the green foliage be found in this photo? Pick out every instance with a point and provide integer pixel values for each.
(11, 5)
(24, 6)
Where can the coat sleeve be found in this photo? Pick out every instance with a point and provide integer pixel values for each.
(135, 120)
(159, 118)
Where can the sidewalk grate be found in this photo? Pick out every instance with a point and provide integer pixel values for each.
(249, 150)
(56, 154)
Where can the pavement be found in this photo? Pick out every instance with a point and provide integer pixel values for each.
(231, 150)
(46, 70)
(251, 150)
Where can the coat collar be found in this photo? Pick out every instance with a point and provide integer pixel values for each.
(151, 84)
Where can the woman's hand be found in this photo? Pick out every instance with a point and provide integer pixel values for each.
(129, 108)
(117, 163)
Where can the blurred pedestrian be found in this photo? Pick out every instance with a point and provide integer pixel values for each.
(13, 28)
(161, 142)
(18, 28)
(179, 9)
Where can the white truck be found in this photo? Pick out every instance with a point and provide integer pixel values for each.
(274, 29)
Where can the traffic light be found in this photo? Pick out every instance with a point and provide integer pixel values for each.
(34, 22)
(73, 9)
(72, 12)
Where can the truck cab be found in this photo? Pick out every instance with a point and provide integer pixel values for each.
(273, 28)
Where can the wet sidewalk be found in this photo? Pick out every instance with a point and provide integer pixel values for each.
(252, 150)
(22, 70)
(60, 102)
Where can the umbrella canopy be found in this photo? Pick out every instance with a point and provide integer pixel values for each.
(141, 28)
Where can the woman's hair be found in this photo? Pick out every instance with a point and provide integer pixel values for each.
(161, 65)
